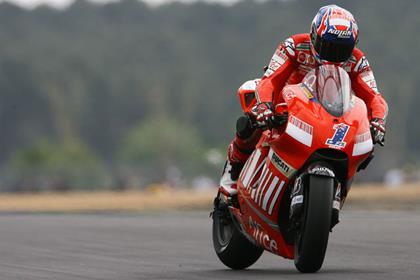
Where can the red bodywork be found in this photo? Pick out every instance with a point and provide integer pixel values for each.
(281, 155)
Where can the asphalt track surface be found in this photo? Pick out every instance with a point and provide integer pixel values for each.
(177, 245)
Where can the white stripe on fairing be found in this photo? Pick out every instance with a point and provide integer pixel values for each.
(243, 172)
(254, 188)
(264, 187)
(257, 182)
(362, 148)
(248, 164)
(250, 85)
(258, 169)
(340, 21)
(273, 202)
(251, 168)
(252, 193)
(245, 168)
(299, 134)
(269, 192)
(261, 181)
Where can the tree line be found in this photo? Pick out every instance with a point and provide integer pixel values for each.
(113, 95)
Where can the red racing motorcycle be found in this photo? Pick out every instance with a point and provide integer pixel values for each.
(291, 189)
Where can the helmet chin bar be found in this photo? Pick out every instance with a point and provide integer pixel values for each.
(321, 61)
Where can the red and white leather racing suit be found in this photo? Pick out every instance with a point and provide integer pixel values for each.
(290, 63)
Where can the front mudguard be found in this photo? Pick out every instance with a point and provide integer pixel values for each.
(320, 169)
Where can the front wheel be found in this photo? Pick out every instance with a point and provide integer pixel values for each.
(312, 237)
(231, 246)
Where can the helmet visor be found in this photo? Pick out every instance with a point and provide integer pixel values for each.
(333, 51)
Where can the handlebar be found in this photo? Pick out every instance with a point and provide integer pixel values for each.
(276, 121)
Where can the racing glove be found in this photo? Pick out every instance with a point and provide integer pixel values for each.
(263, 113)
(281, 115)
(377, 129)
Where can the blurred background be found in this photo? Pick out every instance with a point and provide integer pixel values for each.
(123, 95)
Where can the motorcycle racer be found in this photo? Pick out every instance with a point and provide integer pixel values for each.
(332, 40)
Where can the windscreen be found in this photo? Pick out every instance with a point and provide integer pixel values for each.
(330, 85)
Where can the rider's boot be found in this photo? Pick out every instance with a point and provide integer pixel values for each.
(235, 161)
(238, 153)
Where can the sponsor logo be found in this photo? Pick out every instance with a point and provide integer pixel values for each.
(290, 46)
(340, 33)
(278, 59)
(297, 187)
(307, 93)
(296, 200)
(369, 80)
(305, 58)
(281, 165)
(261, 237)
(320, 170)
(288, 94)
(301, 57)
(337, 140)
(362, 64)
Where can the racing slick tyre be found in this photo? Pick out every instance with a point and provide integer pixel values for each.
(312, 237)
(231, 246)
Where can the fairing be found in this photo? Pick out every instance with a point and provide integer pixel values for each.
(282, 153)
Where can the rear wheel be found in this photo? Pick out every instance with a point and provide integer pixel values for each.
(312, 237)
(231, 246)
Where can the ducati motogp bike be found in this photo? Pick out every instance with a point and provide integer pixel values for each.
(291, 189)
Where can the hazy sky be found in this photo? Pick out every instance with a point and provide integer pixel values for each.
(65, 3)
